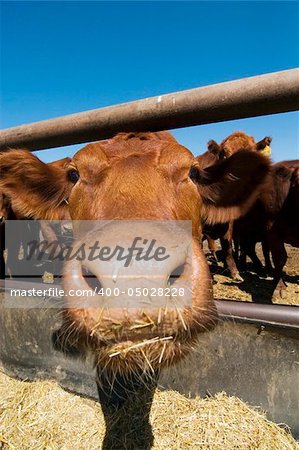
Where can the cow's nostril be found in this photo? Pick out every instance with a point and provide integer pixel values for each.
(92, 281)
(175, 274)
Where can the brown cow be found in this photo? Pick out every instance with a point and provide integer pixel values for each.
(224, 231)
(273, 220)
(246, 238)
(136, 176)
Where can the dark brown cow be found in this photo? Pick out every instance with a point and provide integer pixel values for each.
(136, 176)
(273, 220)
(224, 231)
(245, 241)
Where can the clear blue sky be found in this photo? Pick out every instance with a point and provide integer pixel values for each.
(63, 57)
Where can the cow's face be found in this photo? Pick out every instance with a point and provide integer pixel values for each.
(138, 177)
(135, 176)
(232, 144)
(241, 141)
(145, 176)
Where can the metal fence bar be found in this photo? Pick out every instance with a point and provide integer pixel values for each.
(259, 313)
(255, 96)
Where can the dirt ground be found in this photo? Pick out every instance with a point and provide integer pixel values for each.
(257, 289)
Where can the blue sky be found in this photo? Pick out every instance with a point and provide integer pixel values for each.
(63, 57)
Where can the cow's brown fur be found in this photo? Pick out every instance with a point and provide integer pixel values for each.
(274, 218)
(239, 140)
(138, 176)
(9, 210)
(231, 145)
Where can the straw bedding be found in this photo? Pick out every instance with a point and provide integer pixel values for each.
(42, 416)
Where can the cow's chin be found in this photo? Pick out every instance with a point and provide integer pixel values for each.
(143, 349)
(151, 351)
(142, 357)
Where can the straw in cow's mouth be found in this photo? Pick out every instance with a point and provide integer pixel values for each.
(125, 349)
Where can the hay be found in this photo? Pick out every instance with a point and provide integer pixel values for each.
(42, 416)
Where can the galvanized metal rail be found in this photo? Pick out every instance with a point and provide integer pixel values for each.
(255, 96)
(283, 316)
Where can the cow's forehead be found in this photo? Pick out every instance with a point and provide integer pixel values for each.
(239, 140)
(160, 147)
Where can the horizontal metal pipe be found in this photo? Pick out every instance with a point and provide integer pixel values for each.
(268, 314)
(255, 96)
(276, 315)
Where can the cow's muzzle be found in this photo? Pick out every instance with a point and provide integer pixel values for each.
(133, 287)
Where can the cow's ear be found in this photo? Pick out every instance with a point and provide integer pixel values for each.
(230, 187)
(35, 189)
(213, 147)
(263, 143)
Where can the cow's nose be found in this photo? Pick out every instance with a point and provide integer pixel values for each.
(132, 271)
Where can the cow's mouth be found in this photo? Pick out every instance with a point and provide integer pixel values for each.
(147, 355)
(123, 348)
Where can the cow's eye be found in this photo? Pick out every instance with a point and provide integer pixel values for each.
(73, 175)
(194, 174)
